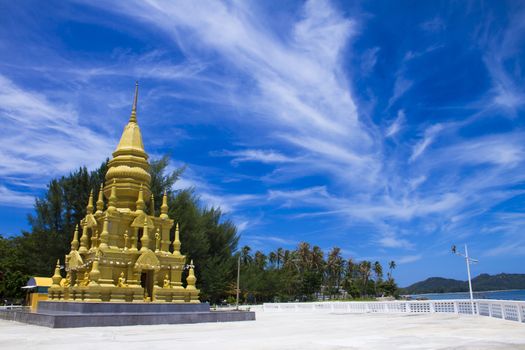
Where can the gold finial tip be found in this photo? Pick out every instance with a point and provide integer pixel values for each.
(133, 117)
(191, 263)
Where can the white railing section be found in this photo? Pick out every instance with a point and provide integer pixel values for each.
(503, 309)
(12, 307)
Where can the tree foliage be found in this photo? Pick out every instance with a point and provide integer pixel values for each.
(305, 274)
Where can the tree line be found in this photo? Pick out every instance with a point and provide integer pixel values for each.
(306, 274)
(206, 237)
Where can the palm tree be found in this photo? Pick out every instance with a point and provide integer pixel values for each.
(260, 260)
(378, 271)
(303, 253)
(280, 257)
(365, 268)
(350, 267)
(287, 257)
(272, 258)
(317, 258)
(245, 255)
(334, 269)
(348, 280)
(391, 266)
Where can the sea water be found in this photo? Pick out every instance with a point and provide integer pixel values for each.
(516, 294)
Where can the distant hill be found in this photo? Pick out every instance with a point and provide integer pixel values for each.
(483, 282)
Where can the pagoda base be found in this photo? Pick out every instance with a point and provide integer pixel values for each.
(57, 314)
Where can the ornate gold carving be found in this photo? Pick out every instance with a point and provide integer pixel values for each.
(147, 261)
(167, 282)
(75, 260)
(121, 281)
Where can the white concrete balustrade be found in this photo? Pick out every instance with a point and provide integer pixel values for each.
(502, 309)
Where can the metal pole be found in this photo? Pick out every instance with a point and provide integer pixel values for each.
(238, 278)
(469, 281)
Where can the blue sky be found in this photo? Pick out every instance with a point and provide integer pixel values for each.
(392, 129)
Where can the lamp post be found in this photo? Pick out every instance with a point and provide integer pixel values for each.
(468, 261)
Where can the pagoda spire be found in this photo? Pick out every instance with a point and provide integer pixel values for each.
(113, 197)
(191, 279)
(84, 240)
(152, 205)
(133, 117)
(176, 241)
(100, 200)
(129, 165)
(57, 277)
(145, 236)
(74, 242)
(90, 203)
(164, 207)
(140, 200)
(104, 236)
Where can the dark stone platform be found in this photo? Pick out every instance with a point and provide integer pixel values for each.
(60, 307)
(83, 314)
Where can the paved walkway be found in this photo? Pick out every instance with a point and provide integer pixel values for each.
(283, 331)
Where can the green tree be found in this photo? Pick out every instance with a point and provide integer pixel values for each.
(365, 268)
(260, 260)
(280, 257)
(272, 258)
(378, 271)
(246, 258)
(391, 266)
(334, 271)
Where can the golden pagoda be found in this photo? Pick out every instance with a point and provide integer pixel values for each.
(123, 254)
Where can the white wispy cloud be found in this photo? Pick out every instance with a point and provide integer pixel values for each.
(501, 47)
(15, 199)
(211, 195)
(401, 86)
(407, 259)
(43, 138)
(369, 60)
(421, 146)
(255, 155)
(389, 240)
(396, 125)
(298, 86)
(433, 25)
